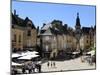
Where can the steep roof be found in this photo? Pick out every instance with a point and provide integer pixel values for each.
(48, 32)
(46, 26)
(86, 30)
(16, 20)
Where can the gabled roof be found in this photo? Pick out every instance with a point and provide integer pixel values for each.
(27, 20)
(16, 20)
(48, 32)
(46, 26)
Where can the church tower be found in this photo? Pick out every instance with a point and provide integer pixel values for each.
(78, 32)
(78, 25)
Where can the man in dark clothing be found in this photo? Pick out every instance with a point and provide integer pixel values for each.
(51, 63)
(39, 67)
(54, 64)
(23, 70)
(48, 64)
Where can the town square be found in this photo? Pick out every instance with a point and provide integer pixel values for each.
(50, 37)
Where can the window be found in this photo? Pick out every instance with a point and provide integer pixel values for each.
(19, 38)
(14, 37)
(87, 41)
(29, 33)
(29, 25)
(87, 37)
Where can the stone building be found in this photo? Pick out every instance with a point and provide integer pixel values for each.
(23, 32)
(17, 39)
(57, 38)
(87, 38)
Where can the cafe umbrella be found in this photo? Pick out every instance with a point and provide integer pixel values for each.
(15, 64)
(28, 57)
(16, 55)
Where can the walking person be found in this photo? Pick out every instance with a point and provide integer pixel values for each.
(48, 64)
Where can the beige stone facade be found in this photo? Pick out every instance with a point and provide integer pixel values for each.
(85, 42)
(23, 34)
(30, 37)
(17, 38)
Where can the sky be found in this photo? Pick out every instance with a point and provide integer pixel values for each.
(41, 13)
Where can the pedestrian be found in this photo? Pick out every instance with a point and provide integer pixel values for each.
(39, 68)
(48, 64)
(54, 64)
(90, 61)
(51, 63)
(23, 70)
(29, 71)
(33, 67)
(30, 67)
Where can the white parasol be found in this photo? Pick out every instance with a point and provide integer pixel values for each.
(76, 52)
(16, 64)
(16, 55)
(28, 53)
(28, 57)
(91, 52)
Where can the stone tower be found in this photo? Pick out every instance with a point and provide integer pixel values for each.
(78, 31)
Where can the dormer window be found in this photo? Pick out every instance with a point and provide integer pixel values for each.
(29, 24)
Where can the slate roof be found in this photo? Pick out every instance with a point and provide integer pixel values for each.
(56, 29)
(16, 20)
(86, 30)
(45, 27)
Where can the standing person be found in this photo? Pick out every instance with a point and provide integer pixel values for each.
(54, 64)
(39, 68)
(51, 63)
(48, 64)
(33, 67)
(30, 67)
(23, 70)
